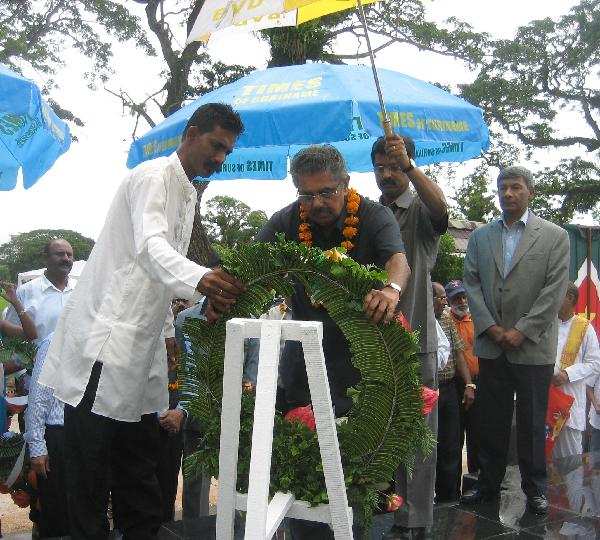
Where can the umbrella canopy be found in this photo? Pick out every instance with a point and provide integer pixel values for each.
(287, 108)
(31, 135)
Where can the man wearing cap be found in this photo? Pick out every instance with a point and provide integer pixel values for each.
(459, 311)
(448, 465)
(423, 217)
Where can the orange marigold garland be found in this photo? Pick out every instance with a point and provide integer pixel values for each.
(350, 229)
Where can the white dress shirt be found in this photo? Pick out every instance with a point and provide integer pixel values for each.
(43, 409)
(117, 312)
(43, 302)
(583, 371)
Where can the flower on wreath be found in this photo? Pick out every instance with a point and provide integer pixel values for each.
(304, 415)
(173, 386)
(347, 245)
(402, 321)
(334, 255)
(393, 502)
(430, 398)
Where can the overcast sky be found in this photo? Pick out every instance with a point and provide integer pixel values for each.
(76, 192)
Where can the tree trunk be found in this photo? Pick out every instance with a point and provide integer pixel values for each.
(200, 250)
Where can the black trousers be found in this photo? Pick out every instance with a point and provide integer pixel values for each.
(448, 465)
(53, 519)
(167, 470)
(469, 427)
(499, 381)
(105, 455)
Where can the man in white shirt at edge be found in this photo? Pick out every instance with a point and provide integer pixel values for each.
(105, 362)
(577, 364)
(45, 296)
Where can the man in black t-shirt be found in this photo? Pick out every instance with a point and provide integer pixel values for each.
(328, 214)
(324, 200)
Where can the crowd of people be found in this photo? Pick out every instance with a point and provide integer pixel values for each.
(105, 421)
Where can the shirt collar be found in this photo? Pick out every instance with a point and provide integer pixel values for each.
(565, 323)
(47, 284)
(188, 189)
(404, 200)
(523, 219)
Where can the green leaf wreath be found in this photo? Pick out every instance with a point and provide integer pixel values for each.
(385, 427)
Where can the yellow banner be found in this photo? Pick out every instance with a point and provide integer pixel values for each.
(320, 8)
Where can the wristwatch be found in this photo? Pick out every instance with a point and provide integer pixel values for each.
(394, 286)
(409, 168)
(471, 385)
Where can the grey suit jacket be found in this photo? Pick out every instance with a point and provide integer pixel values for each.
(530, 296)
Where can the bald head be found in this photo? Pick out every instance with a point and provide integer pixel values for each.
(439, 299)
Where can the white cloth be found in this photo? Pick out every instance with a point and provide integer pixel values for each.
(443, 350)
(43, 408)
(44, 304)
(585, 368)
(568, 443)
(117, 312)
(594, 416)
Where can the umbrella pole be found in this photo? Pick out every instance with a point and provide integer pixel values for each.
(387, 126)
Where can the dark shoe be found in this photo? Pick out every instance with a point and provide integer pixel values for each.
(398, 532)
(538, 505)
(477, 496)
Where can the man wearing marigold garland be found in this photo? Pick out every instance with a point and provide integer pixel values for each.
(423, 218)
(329, 214)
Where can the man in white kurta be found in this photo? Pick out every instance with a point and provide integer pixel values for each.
(107, 361)
(577, 363)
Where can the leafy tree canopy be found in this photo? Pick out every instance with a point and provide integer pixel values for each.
(231, 222)
(24, 251)
(448, 265)
(528, 86)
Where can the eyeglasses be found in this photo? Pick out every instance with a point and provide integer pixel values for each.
(325, 195)
(380, 169)
(441, 298)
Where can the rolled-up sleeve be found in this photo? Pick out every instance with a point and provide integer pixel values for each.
(148, 202)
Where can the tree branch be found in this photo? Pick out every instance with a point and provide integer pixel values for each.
(138, 108)
(364, 54)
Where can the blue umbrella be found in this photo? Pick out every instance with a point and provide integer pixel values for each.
(287, 108)
(31, 135)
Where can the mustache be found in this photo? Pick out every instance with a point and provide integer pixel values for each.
(388, 183)
(212, 165)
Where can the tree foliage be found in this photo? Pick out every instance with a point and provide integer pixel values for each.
(231, 222)
(24, 251)
(448, 265)
(404, 22)
(37, 33)
(474, 203)
(528, 86)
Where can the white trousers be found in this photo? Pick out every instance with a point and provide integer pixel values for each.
(568, 443)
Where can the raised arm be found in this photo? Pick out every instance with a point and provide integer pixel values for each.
(27, 328)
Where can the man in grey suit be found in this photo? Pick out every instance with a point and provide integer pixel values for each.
(516, 273)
